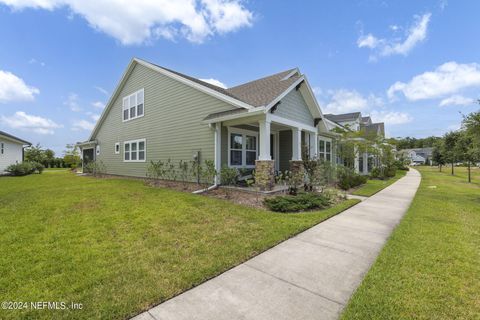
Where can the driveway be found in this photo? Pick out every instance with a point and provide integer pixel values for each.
(310, 276)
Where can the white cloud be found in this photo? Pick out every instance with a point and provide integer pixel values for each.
(83, 125)
(387, 47)
(13, 88)
(146, 20)
(368, 41)
(98, 104)
(100, 89)
(449, 78)
(21, 120)
(344, 101)
(72, 102)
(35, 61)
(215, 82)
(390, 117)
(456, 100)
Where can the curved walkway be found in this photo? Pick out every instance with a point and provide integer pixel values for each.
(310, 276)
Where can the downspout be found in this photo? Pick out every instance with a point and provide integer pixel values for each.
(217, 136)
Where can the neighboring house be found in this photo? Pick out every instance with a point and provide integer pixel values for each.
(11, 150)
(354, 121)
(417, 155)
(157, 114)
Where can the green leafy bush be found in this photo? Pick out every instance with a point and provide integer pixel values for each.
(300, 202)
(228, 176)
(347, 178)
(25, 168)
(96, 168)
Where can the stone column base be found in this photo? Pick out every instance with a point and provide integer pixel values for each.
(296, 166)
(265, 174)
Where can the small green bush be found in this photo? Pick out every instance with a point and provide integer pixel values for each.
(347, 178)
(228, 176)
(25, 168)
(300, 202)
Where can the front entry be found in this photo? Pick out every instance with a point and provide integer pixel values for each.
(87, 156)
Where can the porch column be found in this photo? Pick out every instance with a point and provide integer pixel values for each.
(365, 163)
(313, 145)
(264, 138)
(296, 144)
(264, 166)
(218, 150)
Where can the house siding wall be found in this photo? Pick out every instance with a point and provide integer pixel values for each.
(172, 124)
(285, 147)
(295, 108)
(12, 154)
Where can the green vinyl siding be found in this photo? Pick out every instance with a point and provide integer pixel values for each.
(172, 123)
(294, 107)
(285, 147)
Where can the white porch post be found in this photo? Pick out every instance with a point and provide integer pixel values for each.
(218, 150)
(264, 126)
(296, 144)
(313, 144)
(365, 163)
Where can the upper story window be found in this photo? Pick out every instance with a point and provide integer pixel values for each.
(133, 106)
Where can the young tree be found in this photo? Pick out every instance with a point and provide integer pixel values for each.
(71, 156)
(450, 140)
(35, 153)
(49, 157)
(466, 151)
(437, 155)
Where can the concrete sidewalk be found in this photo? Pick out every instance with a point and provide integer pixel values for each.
(310, 276)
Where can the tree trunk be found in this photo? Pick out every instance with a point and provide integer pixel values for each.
(469, 175)
(440, 167)
(452, 170)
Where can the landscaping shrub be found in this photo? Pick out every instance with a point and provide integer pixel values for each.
(401, 165)
(228, 176)
(25, 168)
(347, 178)
(96, 168)
(300, 202)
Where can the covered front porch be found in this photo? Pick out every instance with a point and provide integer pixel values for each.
(266, 143)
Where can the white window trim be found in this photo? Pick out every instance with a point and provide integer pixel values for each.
(323, 155)
(136, 105)
(117, 144)
(137, 151)
(243, 132)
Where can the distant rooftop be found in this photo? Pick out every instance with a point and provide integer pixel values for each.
(343, 117)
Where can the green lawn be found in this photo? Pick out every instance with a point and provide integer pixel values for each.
(430, 267)
(117, 246)
(374, 185)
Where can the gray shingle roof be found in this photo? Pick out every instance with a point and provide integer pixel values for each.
(256, 93)
(2, 133)
(263, 91)
(342, 117)
(366, 120)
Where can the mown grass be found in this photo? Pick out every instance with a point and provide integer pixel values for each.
(430, 267)
(117, 246)
(375, 185)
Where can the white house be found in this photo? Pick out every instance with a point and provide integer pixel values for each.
(11, 150)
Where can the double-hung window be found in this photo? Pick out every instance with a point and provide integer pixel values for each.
(325, 150)
(242, 149)
(134, 151)
(133, 106)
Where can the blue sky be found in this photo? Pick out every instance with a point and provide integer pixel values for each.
(413, 64)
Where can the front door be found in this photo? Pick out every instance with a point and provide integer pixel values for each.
(88, 156)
